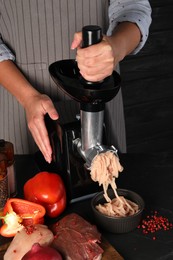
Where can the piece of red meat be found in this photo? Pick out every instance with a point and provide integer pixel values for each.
(77, 239)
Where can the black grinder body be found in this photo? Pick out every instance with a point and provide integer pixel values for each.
(67, 162)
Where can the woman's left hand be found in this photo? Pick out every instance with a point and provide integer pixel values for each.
(95, 62)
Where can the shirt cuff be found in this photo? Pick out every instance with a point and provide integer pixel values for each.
(140, 20)
(5, 53)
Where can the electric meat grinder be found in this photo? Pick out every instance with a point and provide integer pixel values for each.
(77, 143)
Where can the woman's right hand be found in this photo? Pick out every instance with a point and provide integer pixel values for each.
(36, 105)
(36, 108)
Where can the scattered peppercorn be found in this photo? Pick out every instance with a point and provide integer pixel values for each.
(29, 229)
(155, 222)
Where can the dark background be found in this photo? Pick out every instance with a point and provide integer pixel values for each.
(147, 85)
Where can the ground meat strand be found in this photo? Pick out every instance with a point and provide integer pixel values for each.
(105, 169)
(118, 208)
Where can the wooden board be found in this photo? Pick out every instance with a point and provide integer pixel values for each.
(109, 251)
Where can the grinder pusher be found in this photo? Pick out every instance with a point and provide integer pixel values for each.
(82, 140)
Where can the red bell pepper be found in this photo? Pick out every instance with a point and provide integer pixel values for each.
(18, 213)
(48, 190)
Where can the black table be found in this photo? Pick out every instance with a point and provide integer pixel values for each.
(150, 175)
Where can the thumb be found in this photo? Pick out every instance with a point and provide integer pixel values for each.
(49, 108)
(77, 39)
(53, 114)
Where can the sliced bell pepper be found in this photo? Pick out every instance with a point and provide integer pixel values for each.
(48, 190)
(19, 213)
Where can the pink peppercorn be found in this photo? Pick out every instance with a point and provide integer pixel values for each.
(154, 223)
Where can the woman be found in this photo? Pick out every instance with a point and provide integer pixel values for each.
(38, 33)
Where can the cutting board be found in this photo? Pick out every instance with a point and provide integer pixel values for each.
(110, 252)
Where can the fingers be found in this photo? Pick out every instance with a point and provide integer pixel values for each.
(96, 68)
(96, 62)
(43, 138)
(40, 135)
(76, 40)
(37, 109)
(50, 109)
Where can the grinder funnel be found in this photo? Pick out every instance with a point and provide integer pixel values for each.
(66, 74)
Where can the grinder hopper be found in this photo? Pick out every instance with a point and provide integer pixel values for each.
(83, 139)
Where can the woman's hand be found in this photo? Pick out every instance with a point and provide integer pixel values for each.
(36, 108)
(36, 105)
(95, 62)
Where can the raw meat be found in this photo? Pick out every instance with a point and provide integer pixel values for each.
(118, 207)
(77, 239)
(23, 241)
(105, 168)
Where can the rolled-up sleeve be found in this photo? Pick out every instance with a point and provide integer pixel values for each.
(138, 12)
(5, 52)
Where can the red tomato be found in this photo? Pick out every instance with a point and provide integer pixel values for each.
(48, 190)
